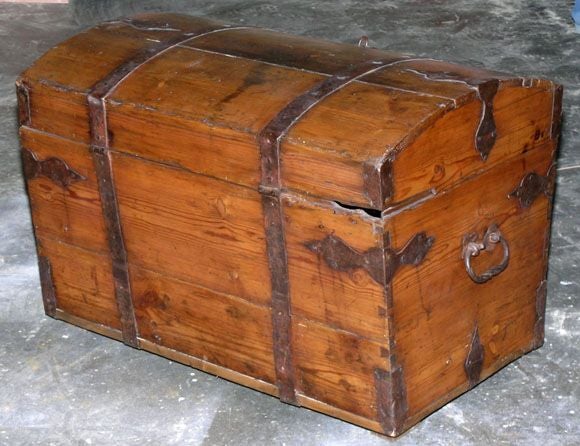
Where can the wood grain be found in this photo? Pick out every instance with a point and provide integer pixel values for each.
(109, 45)
(183, 128)
(437, 306)
(337, 367)
(82, 281)
(445, 153)
(72, 214)
(193, 228)
(203, 105)
(220, 329)
(351, 300)
(299, 52)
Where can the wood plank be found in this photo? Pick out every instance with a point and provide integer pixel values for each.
(71, 214)
(81, 61)
(336, 367)
(214, 151)
(216, 328)
(205, 111)
(307, 53)
(342, 180)
(437, 306)
(244, 95)
(192, 227)
(333, 411)
(349, 300)
(101, 329)
(200, 96)
(301, 52)
(342, 122)
(59, 112)
(83, 282)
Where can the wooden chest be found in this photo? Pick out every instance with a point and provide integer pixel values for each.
(354, 231)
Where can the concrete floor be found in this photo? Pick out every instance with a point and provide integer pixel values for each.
(64, 386)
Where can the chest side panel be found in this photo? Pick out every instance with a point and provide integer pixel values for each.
(449, 330)
(320, 236)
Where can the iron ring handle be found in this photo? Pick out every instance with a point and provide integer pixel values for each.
(472, 247)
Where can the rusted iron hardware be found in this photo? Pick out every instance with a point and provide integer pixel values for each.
(472, 248)
(278, 264)
(486, 89)
(112, 221)
(363, 42)
(52, 168)
(557, 112)
(269, 141)
(531, 187)
(378, 183)
(23, 95)
(341, 257)
(47, 286)
(474, 361)
(391, 400)
(100, 142)
(541, 294)
(486, 133)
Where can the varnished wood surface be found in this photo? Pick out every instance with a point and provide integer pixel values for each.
(337, 367)
(444, 153)
(82, 281)
(220, 329)
(109, 45)
(73, 213)
(437, 306)
(195, 94)
(350, 301)
(193, 227)
(186, 170)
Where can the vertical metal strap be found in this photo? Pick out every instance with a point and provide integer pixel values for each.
(100, 145)
(269, 140)
(47, 286)
(542, 289)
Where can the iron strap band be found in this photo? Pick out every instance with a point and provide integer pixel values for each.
(269, 140)
(100, 145)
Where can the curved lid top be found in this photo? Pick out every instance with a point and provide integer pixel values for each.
(357, 107)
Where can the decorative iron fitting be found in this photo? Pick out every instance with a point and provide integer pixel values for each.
(392, 404)
(486, 89)
(474, 361)
(52, 168)
(486, 133)
(531, 187)
(341, 257)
